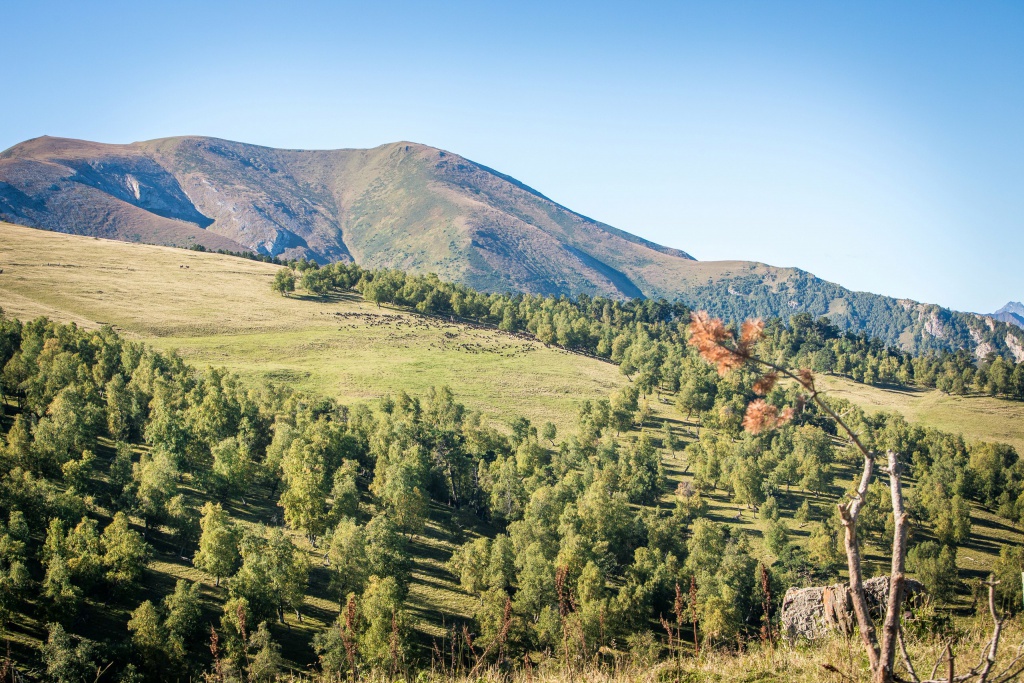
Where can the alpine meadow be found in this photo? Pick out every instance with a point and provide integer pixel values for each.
(534, 342)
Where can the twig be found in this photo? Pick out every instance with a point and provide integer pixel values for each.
(906, 658)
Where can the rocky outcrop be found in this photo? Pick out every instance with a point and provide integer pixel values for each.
(813, 612)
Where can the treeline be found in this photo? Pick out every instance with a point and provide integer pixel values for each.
(250, 255)
(644, 335)
(820, 346)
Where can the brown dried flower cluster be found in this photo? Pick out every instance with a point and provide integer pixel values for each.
(763, 416)
(708, 335)
(765, 384)
(750, 333)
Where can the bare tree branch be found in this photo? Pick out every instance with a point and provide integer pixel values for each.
(848, 513)
(906, 658)
(997, 629)
(710, 339)
(891, 625)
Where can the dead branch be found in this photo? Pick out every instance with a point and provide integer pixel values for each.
(848, 513)
(909, 665)
(891, 624)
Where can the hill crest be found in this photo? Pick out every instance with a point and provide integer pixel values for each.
(422, 209)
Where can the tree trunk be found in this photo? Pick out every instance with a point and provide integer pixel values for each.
(849, 513)
(891, 624)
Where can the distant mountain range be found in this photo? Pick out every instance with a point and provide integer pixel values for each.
(1012, 313)
(422, 209)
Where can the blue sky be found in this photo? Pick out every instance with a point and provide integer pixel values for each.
(878, 145)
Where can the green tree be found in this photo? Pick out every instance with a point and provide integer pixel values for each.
(471, 563)
(233, 468)
(640, 472)
(19, 450)
(218, 543)
(70, 426)
(156, 481)
(265, 662)
(65, 662)
(400, 483)
(81, 549)
(57, 585)
(149, 637)
(184, 614)
(384, 640)
(386, 553)
(14, 576)
(345, 491)
(548, 432)
(125, 553)
(935, 566)
(273, 575)
(501, 569)
(284, 282)
(77, 472)
(121, 410)
(316, 281)
(1008, 569)
(308, 468)
(348, 559)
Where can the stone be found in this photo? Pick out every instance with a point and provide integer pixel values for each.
(813, 612)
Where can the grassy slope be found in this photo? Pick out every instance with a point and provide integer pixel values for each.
(976, 417)
(219, 311)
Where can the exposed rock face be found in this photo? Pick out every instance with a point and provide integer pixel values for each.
(812, 612)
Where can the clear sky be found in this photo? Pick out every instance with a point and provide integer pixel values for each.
(876, 144)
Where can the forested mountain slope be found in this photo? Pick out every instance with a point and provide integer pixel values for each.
(422, 209)
(147, 500)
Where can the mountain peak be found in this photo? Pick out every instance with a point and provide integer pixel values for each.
(1012, 307)
(422, 209)
(1012, 313)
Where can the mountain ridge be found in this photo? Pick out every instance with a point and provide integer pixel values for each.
(1012, 313)
(422, 209)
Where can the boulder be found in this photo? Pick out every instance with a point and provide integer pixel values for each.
(813, 612)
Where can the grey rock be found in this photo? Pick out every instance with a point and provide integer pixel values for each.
(812, 612)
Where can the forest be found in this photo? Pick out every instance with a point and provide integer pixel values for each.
(644, 336)
(114, 454)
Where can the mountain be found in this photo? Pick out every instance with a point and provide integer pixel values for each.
(418, 208)
(1012, 313)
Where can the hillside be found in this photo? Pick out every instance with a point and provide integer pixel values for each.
(422, 209)
(219, 310)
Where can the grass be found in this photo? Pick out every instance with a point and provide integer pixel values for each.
(980, 418)
(781, 662)
(218, 310)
